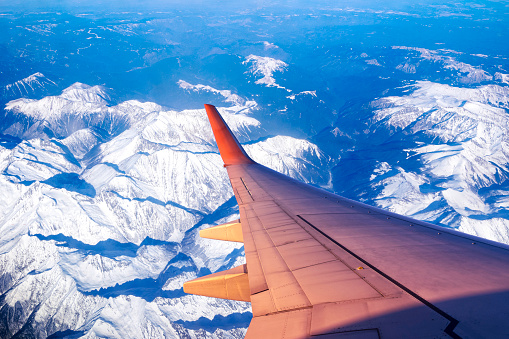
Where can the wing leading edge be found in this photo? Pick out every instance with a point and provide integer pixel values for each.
(318, 264)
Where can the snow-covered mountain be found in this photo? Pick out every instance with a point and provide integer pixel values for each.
(100, 205)
(454, 169)
(27, 87)
(226, 94)
(468, 74)
(266, 67)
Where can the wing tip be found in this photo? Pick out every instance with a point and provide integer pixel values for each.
(230, 149)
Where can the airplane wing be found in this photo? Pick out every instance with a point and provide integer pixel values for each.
(318, 264)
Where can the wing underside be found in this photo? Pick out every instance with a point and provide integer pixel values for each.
(318, 264)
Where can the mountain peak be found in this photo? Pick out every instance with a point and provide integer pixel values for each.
(85, 93)
(28, 86)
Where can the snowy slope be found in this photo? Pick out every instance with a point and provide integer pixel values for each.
(456, 170)
(266, 67)
(28, 86)
(468, 74)
(99, 211)
(226, 94)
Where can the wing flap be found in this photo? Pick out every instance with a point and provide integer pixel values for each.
(294, 324)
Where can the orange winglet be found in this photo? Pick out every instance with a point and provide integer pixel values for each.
(229, 148)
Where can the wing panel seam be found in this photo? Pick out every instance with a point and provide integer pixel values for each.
(247, 189)
(452, 321)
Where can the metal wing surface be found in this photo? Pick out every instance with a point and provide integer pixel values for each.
(322, 265)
